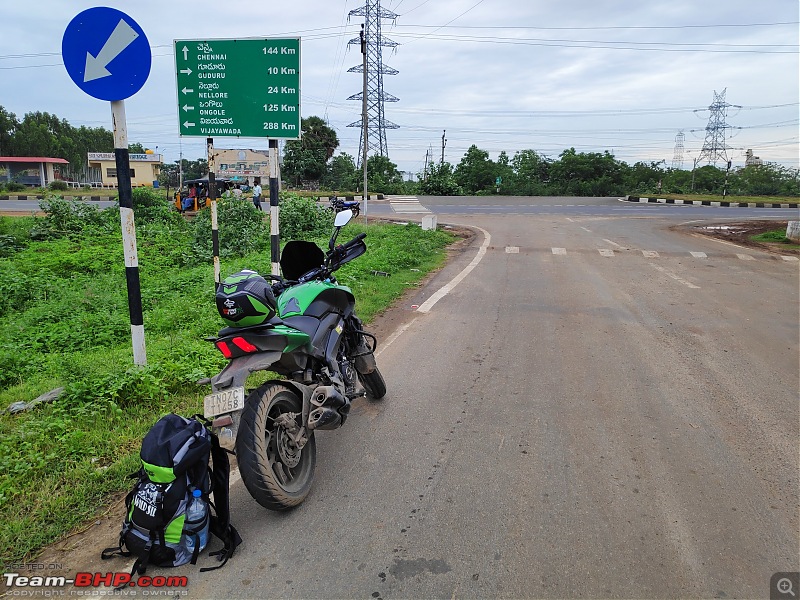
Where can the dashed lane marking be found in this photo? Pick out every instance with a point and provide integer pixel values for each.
(675, 276)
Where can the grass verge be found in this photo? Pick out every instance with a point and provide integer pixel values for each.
(64, 322)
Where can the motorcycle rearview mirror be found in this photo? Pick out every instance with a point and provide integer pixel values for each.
(342, 219)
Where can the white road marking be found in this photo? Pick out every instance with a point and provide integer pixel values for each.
(745, 257)
(699, 254)
(559, 251)
(407, 204)
(613, 243)
(587, 230)
(512, 249)
(649, 253)
(790, 258)
(397, 333)
(447, 288)
(675, 276)
(606, 252)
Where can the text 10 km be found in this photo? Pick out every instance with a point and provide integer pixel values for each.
(281, 50)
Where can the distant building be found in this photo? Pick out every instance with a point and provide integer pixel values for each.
(752, 160)
(145, 169)
(29, 170)
(241, 166)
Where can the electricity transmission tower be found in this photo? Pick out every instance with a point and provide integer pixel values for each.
(375, 43)
(714, 146)
(677, 158)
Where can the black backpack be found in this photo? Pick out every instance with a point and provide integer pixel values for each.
(175, 474)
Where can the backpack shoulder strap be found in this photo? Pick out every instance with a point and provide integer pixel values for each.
(221, 522)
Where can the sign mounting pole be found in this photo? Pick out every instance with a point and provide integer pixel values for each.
(212, 195)
(274, 208)
(108, 56)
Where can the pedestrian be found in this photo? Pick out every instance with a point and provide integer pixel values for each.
(257, 195)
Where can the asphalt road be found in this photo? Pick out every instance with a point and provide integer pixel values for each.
(593, 411)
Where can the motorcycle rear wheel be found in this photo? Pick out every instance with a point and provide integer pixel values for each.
(277, 474)
(374, 384)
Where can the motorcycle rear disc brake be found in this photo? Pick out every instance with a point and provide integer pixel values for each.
(289, 453)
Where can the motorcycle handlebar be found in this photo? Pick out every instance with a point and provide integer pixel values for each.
(353, 242)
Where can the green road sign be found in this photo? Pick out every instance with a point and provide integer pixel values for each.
(239, 88)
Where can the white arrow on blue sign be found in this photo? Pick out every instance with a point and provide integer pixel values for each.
(106, 53)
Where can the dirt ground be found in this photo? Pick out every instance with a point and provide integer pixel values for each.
(741, 232)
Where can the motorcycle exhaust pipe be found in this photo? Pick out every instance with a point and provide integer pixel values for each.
(330, 408)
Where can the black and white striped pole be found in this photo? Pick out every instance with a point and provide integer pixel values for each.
(122, 158)
(274, 209)
(212, 195)
(108, 56)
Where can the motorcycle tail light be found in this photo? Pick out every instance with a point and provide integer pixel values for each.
(244, 345)
(223, 347)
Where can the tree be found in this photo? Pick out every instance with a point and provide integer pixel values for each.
(439, 180)
(531, 172)
(307, 158)
(767, 179)
(8, 124)
(383, 176)
(476, 171)
(644, 177)
(587, 174)
(136, 148)
(341, 173)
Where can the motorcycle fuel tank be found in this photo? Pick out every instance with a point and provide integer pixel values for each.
(315, 299)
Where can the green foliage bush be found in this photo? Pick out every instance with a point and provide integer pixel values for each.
(303, 219)
(15, 187)
(242, 230)
(58, 186)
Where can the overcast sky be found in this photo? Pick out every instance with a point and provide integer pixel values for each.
(618, 75)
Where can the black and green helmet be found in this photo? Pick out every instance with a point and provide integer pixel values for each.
(245, 299)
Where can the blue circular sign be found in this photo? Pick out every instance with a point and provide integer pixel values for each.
(106, 53)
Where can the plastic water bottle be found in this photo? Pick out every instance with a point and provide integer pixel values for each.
(196, 521)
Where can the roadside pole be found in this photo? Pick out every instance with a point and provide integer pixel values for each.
(107, 55)
(122, 158)
(212, 195)
(274, 209)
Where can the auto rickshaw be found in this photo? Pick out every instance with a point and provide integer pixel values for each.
(194, 193)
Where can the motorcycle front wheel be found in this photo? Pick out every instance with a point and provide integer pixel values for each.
(277, 474)
(374, 384)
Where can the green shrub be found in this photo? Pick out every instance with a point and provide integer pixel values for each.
(15, 187)
(242, 229)
(302, 218)
(58, 186)
(66, 218)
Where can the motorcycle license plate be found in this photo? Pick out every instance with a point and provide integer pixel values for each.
(223, 402)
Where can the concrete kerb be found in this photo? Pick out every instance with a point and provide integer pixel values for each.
(641, 200)
(81, 198)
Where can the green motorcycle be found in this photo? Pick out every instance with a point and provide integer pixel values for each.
(302, 326)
